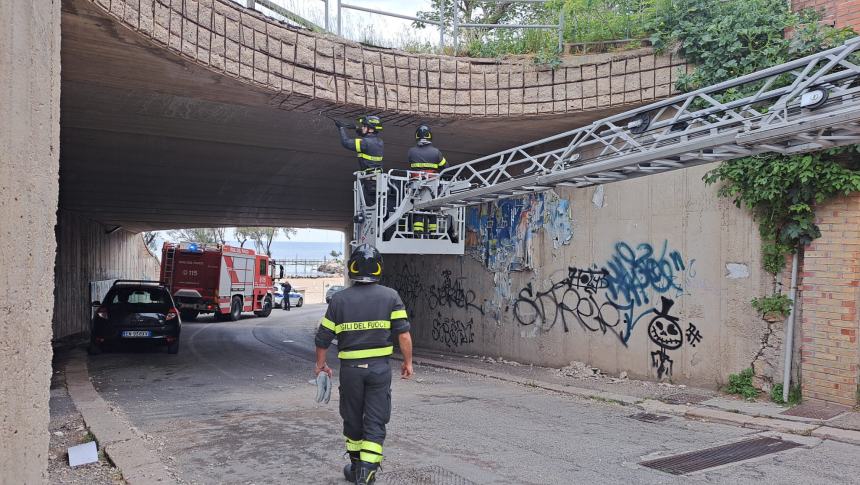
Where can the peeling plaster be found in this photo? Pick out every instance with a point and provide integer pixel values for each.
(599, 199)
(736, 271)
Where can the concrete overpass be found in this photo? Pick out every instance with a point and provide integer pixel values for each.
(164, 114)
(204, 113)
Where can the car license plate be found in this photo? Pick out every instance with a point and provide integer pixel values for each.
(137, 333)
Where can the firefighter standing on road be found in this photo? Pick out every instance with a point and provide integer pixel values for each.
(424, 157)
(368, 147)
(365, 318)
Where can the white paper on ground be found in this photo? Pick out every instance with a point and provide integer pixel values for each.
(83, 454)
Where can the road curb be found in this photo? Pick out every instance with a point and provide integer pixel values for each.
(574, 391)
(703, 413)
(115, 435)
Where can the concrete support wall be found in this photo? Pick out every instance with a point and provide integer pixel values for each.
(86, 253)
(29, 150)
(830, 296)
(655, 280)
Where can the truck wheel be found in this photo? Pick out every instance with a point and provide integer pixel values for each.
(267, 308)
(189, 315)
(235, 309)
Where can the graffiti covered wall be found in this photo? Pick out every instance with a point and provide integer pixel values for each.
(650, 276)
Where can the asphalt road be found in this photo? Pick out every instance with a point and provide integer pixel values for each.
(235, 406)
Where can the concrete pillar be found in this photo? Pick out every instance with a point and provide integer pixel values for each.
(29, 164)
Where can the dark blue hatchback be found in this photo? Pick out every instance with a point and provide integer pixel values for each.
(136, 310)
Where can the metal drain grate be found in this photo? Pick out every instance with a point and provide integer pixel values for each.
(431, 475)
(649, 417)
(719, 455)
(816, 410)
(684, 398)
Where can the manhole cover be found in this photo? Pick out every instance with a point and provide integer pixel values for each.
(649, 417)
(816, 410)
(431, 475)
(685, 398)
(720, 455)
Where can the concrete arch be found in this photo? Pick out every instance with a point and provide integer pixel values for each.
(308, 71)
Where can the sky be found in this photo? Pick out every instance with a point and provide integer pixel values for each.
(314, 235)
(355, 22)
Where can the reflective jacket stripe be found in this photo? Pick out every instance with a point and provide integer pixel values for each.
(366, 156)
(366, 353)
(328, 324)
(358, 145)
(398, 315)
(369, 325)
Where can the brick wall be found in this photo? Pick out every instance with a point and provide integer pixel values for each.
(830, 293)
(841, 13)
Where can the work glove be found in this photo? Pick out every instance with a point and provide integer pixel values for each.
(341, 124)
(323, 388)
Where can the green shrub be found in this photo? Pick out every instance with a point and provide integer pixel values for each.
(741, 384)
(777, 303)
(794, 395)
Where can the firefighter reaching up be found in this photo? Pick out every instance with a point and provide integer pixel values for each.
(368, 147)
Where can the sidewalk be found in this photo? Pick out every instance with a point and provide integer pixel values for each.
(660, 398)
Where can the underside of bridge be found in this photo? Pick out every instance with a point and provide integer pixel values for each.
(150, 139)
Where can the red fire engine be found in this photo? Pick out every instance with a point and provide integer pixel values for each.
(213, 278)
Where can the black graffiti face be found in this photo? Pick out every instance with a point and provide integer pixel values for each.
(666, 333)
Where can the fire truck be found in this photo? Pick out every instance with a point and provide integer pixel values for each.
(219, 279)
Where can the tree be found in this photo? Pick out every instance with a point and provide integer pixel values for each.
(263, 238)
(473, 11)
(150, 238)
(335, 254)
(220, 234)
(198, 235)
(242, 235)
(289, 232)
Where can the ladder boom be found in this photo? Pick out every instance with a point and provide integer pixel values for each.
(804, 105)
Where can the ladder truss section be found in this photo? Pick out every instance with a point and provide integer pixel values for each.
(385, 216)
(804, 105)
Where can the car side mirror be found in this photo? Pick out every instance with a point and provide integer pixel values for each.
(96, 304)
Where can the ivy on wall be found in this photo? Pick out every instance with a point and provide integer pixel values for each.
(731, 38)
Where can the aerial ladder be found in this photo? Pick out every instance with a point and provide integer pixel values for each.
(801, 106)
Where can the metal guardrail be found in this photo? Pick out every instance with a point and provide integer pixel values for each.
(456, 25)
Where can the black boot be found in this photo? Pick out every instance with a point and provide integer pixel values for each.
(366, 473)
(350, 468)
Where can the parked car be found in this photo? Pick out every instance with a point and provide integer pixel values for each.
(331, 291)
(296, 298)
(136, 310)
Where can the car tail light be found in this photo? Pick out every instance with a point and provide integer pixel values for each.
(171, 314)
(102, 312)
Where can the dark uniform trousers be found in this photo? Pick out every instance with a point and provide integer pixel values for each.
(365, 406)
